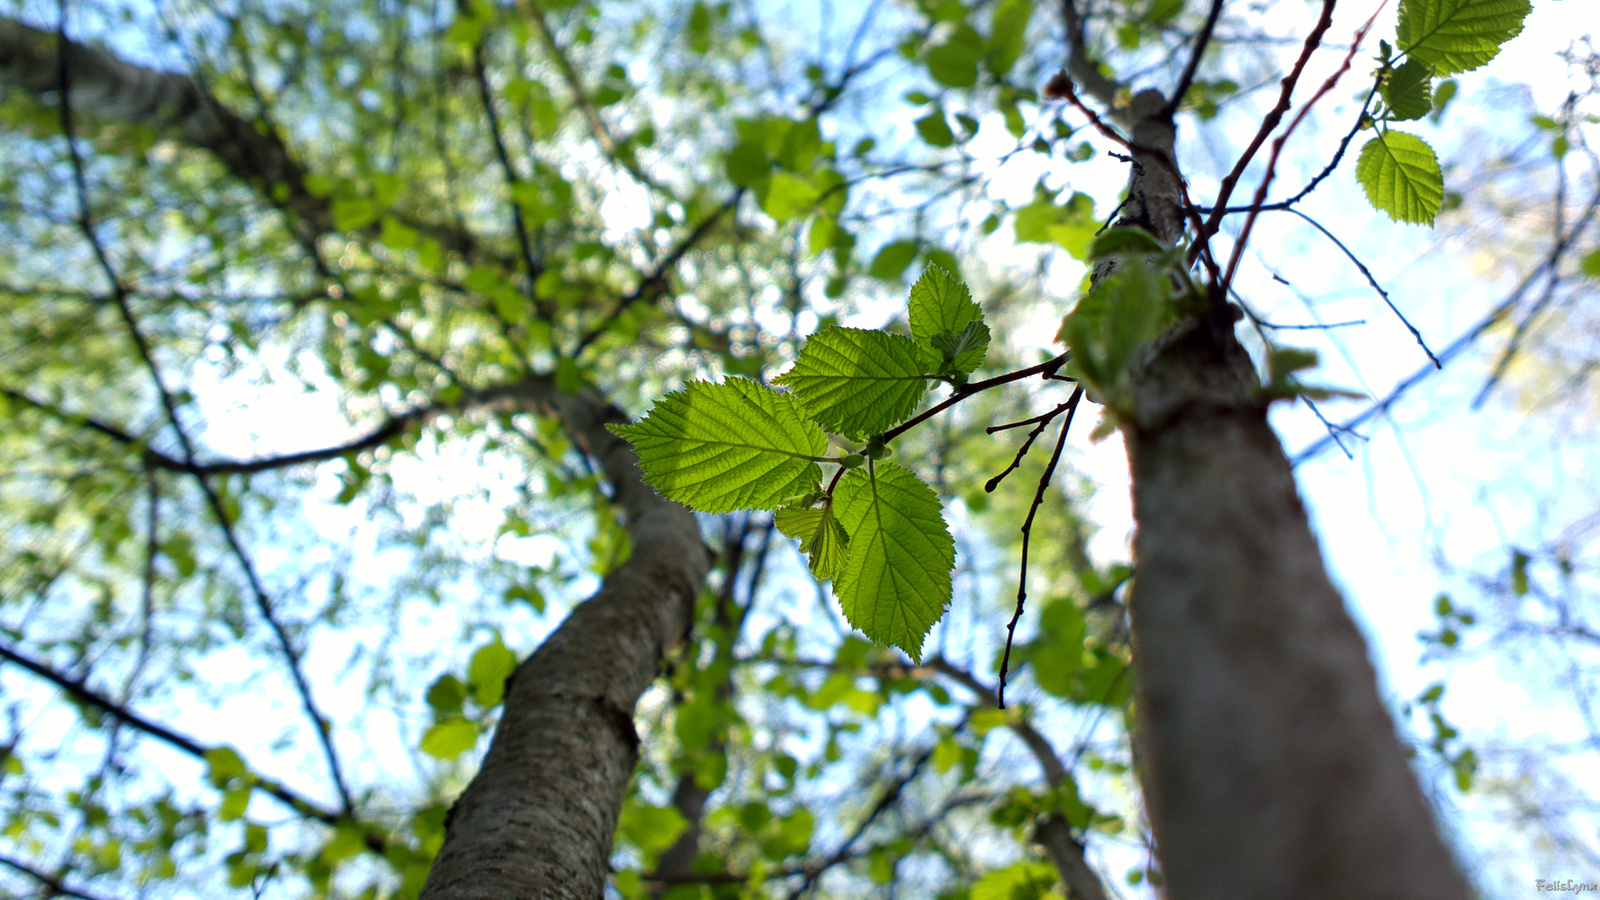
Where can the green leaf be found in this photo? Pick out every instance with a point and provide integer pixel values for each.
(1124, 240)
(954, 63)
(491, 665)
(1106, 328)
(747, 164)
(789, 197)
(398, 235)
(962, 352)
(224, 763)
(801, 144)
(1071, 225)
(1021, 881)
(722, 447)
(1401, 177)
(891, 261)
(942, 306)
(1458, 35)
(857, 382)
(234, 803)
(1441, 97)
(1006, 33)
(353, 213)
(1591, 263)
(1519, 572)
(347, 843)
(896, 583)
(449, 739)
(821, 537)
(446, 695)
(934, 130)
(1409, 91)
(652, 828)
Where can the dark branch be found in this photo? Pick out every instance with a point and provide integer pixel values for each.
(169, 405)
(1366, 273)
(53, 883)
(1200, 43)
(1027, 536)
(79, 690)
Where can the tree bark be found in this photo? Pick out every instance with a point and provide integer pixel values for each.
(106, 88)
(537, 820)
(1271, 768)
(1270, 765)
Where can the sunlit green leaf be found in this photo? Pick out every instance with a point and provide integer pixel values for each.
(892, 259)
(896, 583)
(722, 447)
(1401, 177)
(1458, 35)
(449, 739)
(858, 382)
(789, 197)
(820, 535)
(1409, 90)
(1021, 881)
(942, 305)
(1007, 33)
(954, 63)
(491, 665)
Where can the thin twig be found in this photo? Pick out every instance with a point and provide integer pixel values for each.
(1277, 149)
(591, 114)
(1367, 273)
(51, 883)
(1551, 266)
(169, 405)
(1027, 536)
(1268, 123)
(508, 171)
(659, 273)
(1047, 369)
(1200, 43)
(79, 690)
(1043, 422)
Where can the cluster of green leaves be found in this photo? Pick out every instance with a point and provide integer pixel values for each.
(1399, 171)
(877, 530)
(1148, 290)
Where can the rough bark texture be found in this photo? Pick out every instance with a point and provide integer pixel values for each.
(1270, 765)
(536, 823)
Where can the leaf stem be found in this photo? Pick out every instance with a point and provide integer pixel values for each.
(1047, 369)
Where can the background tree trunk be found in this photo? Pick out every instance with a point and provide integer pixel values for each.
(539, 817)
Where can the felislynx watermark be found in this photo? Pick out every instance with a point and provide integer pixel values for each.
(1579, 887)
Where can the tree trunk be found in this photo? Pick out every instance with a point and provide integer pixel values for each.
(538, 819)
(1270, 766)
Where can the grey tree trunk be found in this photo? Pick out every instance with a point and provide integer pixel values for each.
(1270, 766)
(537, 820)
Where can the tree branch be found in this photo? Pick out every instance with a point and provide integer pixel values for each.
(79, 690)
(1055, 832)
(53, 883)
